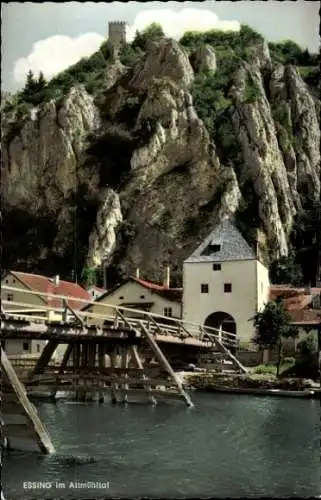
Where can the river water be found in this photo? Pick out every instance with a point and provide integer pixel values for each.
(227, 446)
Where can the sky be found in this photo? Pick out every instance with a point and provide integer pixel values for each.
(49, 36)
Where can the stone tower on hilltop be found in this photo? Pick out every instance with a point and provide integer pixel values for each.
(117, 32)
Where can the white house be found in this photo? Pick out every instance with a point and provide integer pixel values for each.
(15, 301)
(224, 283)
(135, 293)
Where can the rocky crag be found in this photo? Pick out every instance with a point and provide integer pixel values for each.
(137, 174)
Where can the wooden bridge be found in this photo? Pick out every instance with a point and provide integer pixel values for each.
(123, 352)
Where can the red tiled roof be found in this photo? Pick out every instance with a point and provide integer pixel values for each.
(164, 291)
(173, 294)
(306, 316)
(43, 284)
(294, 299)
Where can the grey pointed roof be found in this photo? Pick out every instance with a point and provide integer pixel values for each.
(224, 243)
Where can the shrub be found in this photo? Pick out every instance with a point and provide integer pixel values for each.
(288, 52)
(252, 92)
(308, 347)
(151, 33)
(222, 41)
(165, 219)
(286, 270)
(262, 369)
(129, 55)
(89, 276)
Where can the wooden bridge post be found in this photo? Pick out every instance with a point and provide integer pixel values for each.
(139, 364)
(64, 310)
(92, 347)
(83, 366)
(124, 364)
(33, 427)
(76, 365)
(114, 386)
(101, 366)
(62, 367)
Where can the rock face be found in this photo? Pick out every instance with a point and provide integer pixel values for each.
(203, 59)
(42, 171)
(102, 240)
(164, 59)
(41, 158)
(264, 162)
(141, 156)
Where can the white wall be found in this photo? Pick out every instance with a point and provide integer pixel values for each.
(242, 303)
(263, 285)
(16, 346)
(21, 297)
(133, 292)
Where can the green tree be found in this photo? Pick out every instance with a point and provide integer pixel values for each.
(31, 83)
(286, 270)
(30, 87)
(41, 82)
(309, 353)
(151, 33)
(308, 348)
(271, 325)
(89, 277)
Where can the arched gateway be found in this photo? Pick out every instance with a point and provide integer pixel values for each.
(222, 321)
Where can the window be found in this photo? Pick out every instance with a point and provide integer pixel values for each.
(204, 288)
(7, 281)
(217, 267)
(142, 296)
(211, 248)
(227, 287)
(121, 298)
(168, 312)
(38, 347)
(10, 296)
(25, 346)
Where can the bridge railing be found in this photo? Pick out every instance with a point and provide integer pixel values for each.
(107, 313)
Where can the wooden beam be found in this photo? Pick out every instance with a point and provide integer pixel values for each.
(63, 365)
(101, 366)
(45, 356)
(78, 318)
(122, 317)
(131, 390)
(163, 361)
(139, 364)
(70, 379)
(216, 343)
(124, 365)
(41, 435)
(114, 386)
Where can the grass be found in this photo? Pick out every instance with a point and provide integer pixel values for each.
(270, 368)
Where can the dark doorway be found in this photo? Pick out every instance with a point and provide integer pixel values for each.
(222, 321)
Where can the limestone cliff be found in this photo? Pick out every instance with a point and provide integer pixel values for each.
(135, 177)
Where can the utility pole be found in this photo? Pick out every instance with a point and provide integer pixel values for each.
(104, 274)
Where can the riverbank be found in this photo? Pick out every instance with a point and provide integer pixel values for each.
(256, 384)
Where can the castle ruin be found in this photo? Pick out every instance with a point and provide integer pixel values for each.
(117, 32)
